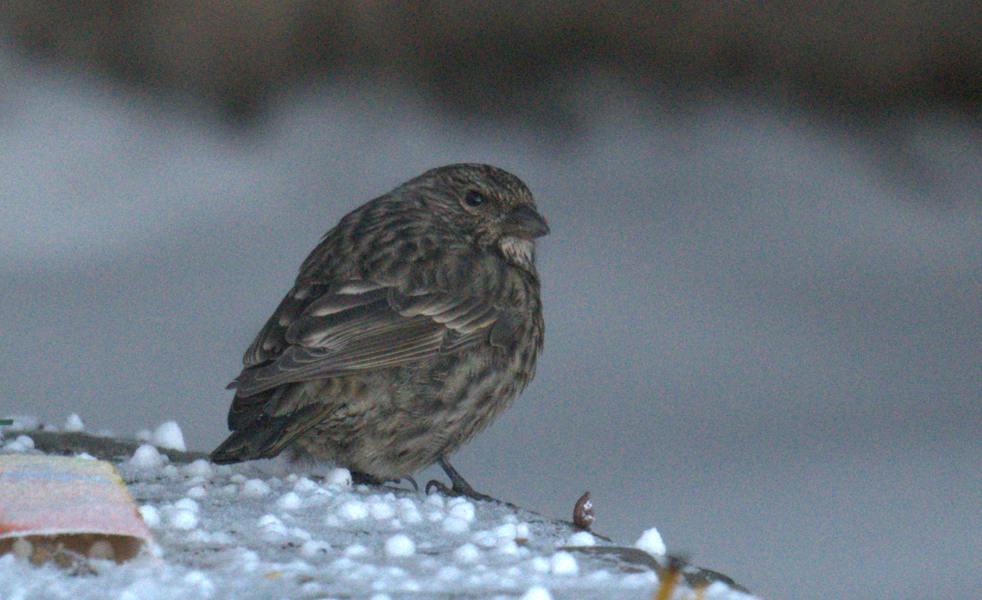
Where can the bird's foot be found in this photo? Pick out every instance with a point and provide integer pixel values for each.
(460, 486)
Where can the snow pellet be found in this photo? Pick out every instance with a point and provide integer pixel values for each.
(255, 488)
(400, 546)
(305, 485)
(339, 479)
(150, 515)
(651, 542)
(74, 423)
(467, 554)
(353, 510)
(147, 457)
(182, 518)
(289, 501)
(583, 538)
(537, 592)
(564, 563)
(381, 511)
(169, 435)
(453, 525)
(461, 508)
(199, 468)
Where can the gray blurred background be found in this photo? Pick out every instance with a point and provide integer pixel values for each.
(763, 287)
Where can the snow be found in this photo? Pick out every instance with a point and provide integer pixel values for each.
(169, 435)
(269, 529)
(651, 542)
(74, 423)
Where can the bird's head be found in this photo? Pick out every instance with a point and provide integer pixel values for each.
(489, 206)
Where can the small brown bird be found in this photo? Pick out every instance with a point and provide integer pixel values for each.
(411, 326)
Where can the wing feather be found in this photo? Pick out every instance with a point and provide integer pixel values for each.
(365, 326)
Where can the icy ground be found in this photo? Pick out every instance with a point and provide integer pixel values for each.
(268, 530)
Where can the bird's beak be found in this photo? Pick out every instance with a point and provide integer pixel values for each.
(524, 222)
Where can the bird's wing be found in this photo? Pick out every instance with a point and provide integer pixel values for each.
(364, 326)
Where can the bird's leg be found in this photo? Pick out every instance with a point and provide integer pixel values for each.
(460, 486)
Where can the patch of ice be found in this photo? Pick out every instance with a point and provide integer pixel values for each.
(74, 423)
(651, 542)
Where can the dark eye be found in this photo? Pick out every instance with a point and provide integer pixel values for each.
(473, 199)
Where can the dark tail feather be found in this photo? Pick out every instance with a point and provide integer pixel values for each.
(259, 440)
(266, 437)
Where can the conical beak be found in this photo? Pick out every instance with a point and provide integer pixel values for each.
(524, 222)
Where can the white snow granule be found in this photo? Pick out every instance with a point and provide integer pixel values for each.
(540, 564)
(353, 510)
(381, 511)
(181, 518)
(338, 479)
(255, 488)
(467, 554)
(505, 531)
(357, 550)
(485, 539)
(201, 583)
(651, 542)
(74, 423)
(455, 526)
(150, 515)
(313, 548)
(169, 435)
(563, 563)
(147, 457)
(199, 468)
(21, 443)
(435, 500)
(400, 546)
(197, 492)
(305, 485)
(461, 508)
(582, 538)
(408, 512)
(537, 592)
(186, 504)
(289, 501)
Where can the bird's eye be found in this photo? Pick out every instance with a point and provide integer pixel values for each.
(473, 199)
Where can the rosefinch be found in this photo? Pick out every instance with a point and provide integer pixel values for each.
(411, 326)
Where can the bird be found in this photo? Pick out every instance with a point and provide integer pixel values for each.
(411, 326)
